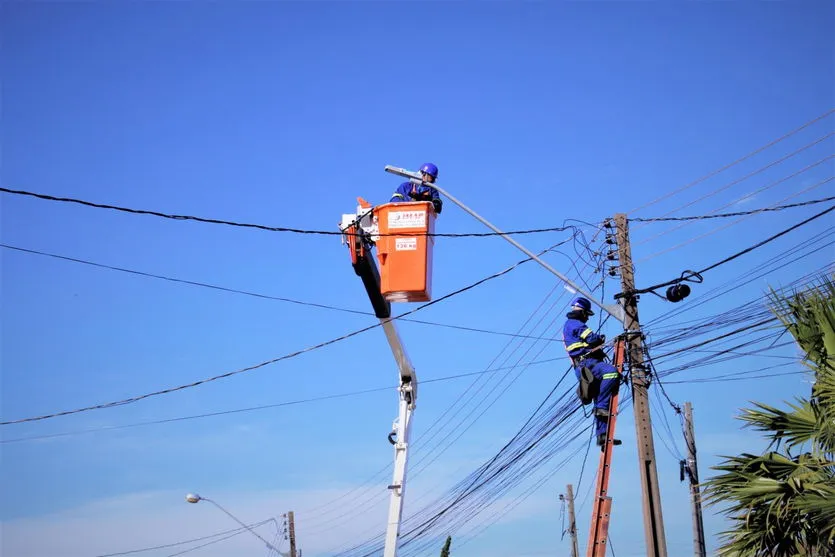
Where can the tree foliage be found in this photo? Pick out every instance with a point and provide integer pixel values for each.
(782, 503)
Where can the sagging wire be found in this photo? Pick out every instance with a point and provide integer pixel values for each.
(289, 356)
(737, 213)
(270, 228)
(688, 274)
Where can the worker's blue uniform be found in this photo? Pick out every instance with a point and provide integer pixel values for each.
(408, 191)
(583, 346)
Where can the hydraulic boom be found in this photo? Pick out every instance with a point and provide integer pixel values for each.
(359, 231)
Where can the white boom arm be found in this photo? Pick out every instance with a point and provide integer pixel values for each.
(366, 268)
(402, 428)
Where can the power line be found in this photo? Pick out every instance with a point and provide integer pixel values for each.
(750, 195)
(753, 173)
(734, 256)
(712, 231)
(291, 355)
(234, 532)
(737, 214)
(265, 227)
(263, 406)
(785, 258)
(737, 161)
(254, 294)
(767, 240)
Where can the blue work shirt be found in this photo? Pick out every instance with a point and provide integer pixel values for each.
(579, 339)
(423, 192)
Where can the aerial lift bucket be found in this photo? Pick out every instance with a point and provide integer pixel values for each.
(404, 250)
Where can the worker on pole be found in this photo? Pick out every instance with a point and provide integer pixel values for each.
(598, 379)
(408, 191)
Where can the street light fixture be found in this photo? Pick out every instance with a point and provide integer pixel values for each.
(195, 498)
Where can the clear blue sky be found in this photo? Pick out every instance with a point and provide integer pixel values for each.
(282, 113)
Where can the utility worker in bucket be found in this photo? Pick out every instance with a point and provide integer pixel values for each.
(599, 379)
(408, 191)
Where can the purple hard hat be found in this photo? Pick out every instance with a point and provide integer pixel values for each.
(430, 169)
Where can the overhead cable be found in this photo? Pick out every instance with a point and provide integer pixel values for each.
(264, 406)
(291, 355)
(727, 225)
(753, 173)
(736, 214)
(234, 531)
(256, 294)
(737, 161)
(272, 228)
(688, 274)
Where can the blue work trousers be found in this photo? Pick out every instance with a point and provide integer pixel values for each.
(608, 379)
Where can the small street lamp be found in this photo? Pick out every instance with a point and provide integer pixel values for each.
(195, 498)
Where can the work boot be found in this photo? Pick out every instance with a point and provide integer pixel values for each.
(601, 441)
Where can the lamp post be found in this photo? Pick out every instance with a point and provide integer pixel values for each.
(194, 498)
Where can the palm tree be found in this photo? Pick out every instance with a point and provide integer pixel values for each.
(782, 503)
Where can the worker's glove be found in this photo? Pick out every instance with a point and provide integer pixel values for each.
(438, 204)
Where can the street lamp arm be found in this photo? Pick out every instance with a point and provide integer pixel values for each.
(233, 517)
(614, 310)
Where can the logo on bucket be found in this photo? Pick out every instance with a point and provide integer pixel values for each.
(407, 219)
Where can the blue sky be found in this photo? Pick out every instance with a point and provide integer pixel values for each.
(282, 113)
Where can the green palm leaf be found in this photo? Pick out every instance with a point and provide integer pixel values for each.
(782, 504)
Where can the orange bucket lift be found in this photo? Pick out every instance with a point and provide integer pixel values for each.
(402, 234)
(404, 250)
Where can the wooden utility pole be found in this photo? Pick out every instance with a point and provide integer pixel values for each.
(291, 526)
(692, 470)
(653, 520)
(572, 521)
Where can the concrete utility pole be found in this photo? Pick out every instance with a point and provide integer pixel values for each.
(572, 522)
(653, 520)
(692, 470)
(291, 526)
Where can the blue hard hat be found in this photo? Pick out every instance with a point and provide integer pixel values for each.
(582, 303)
(430, 169)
